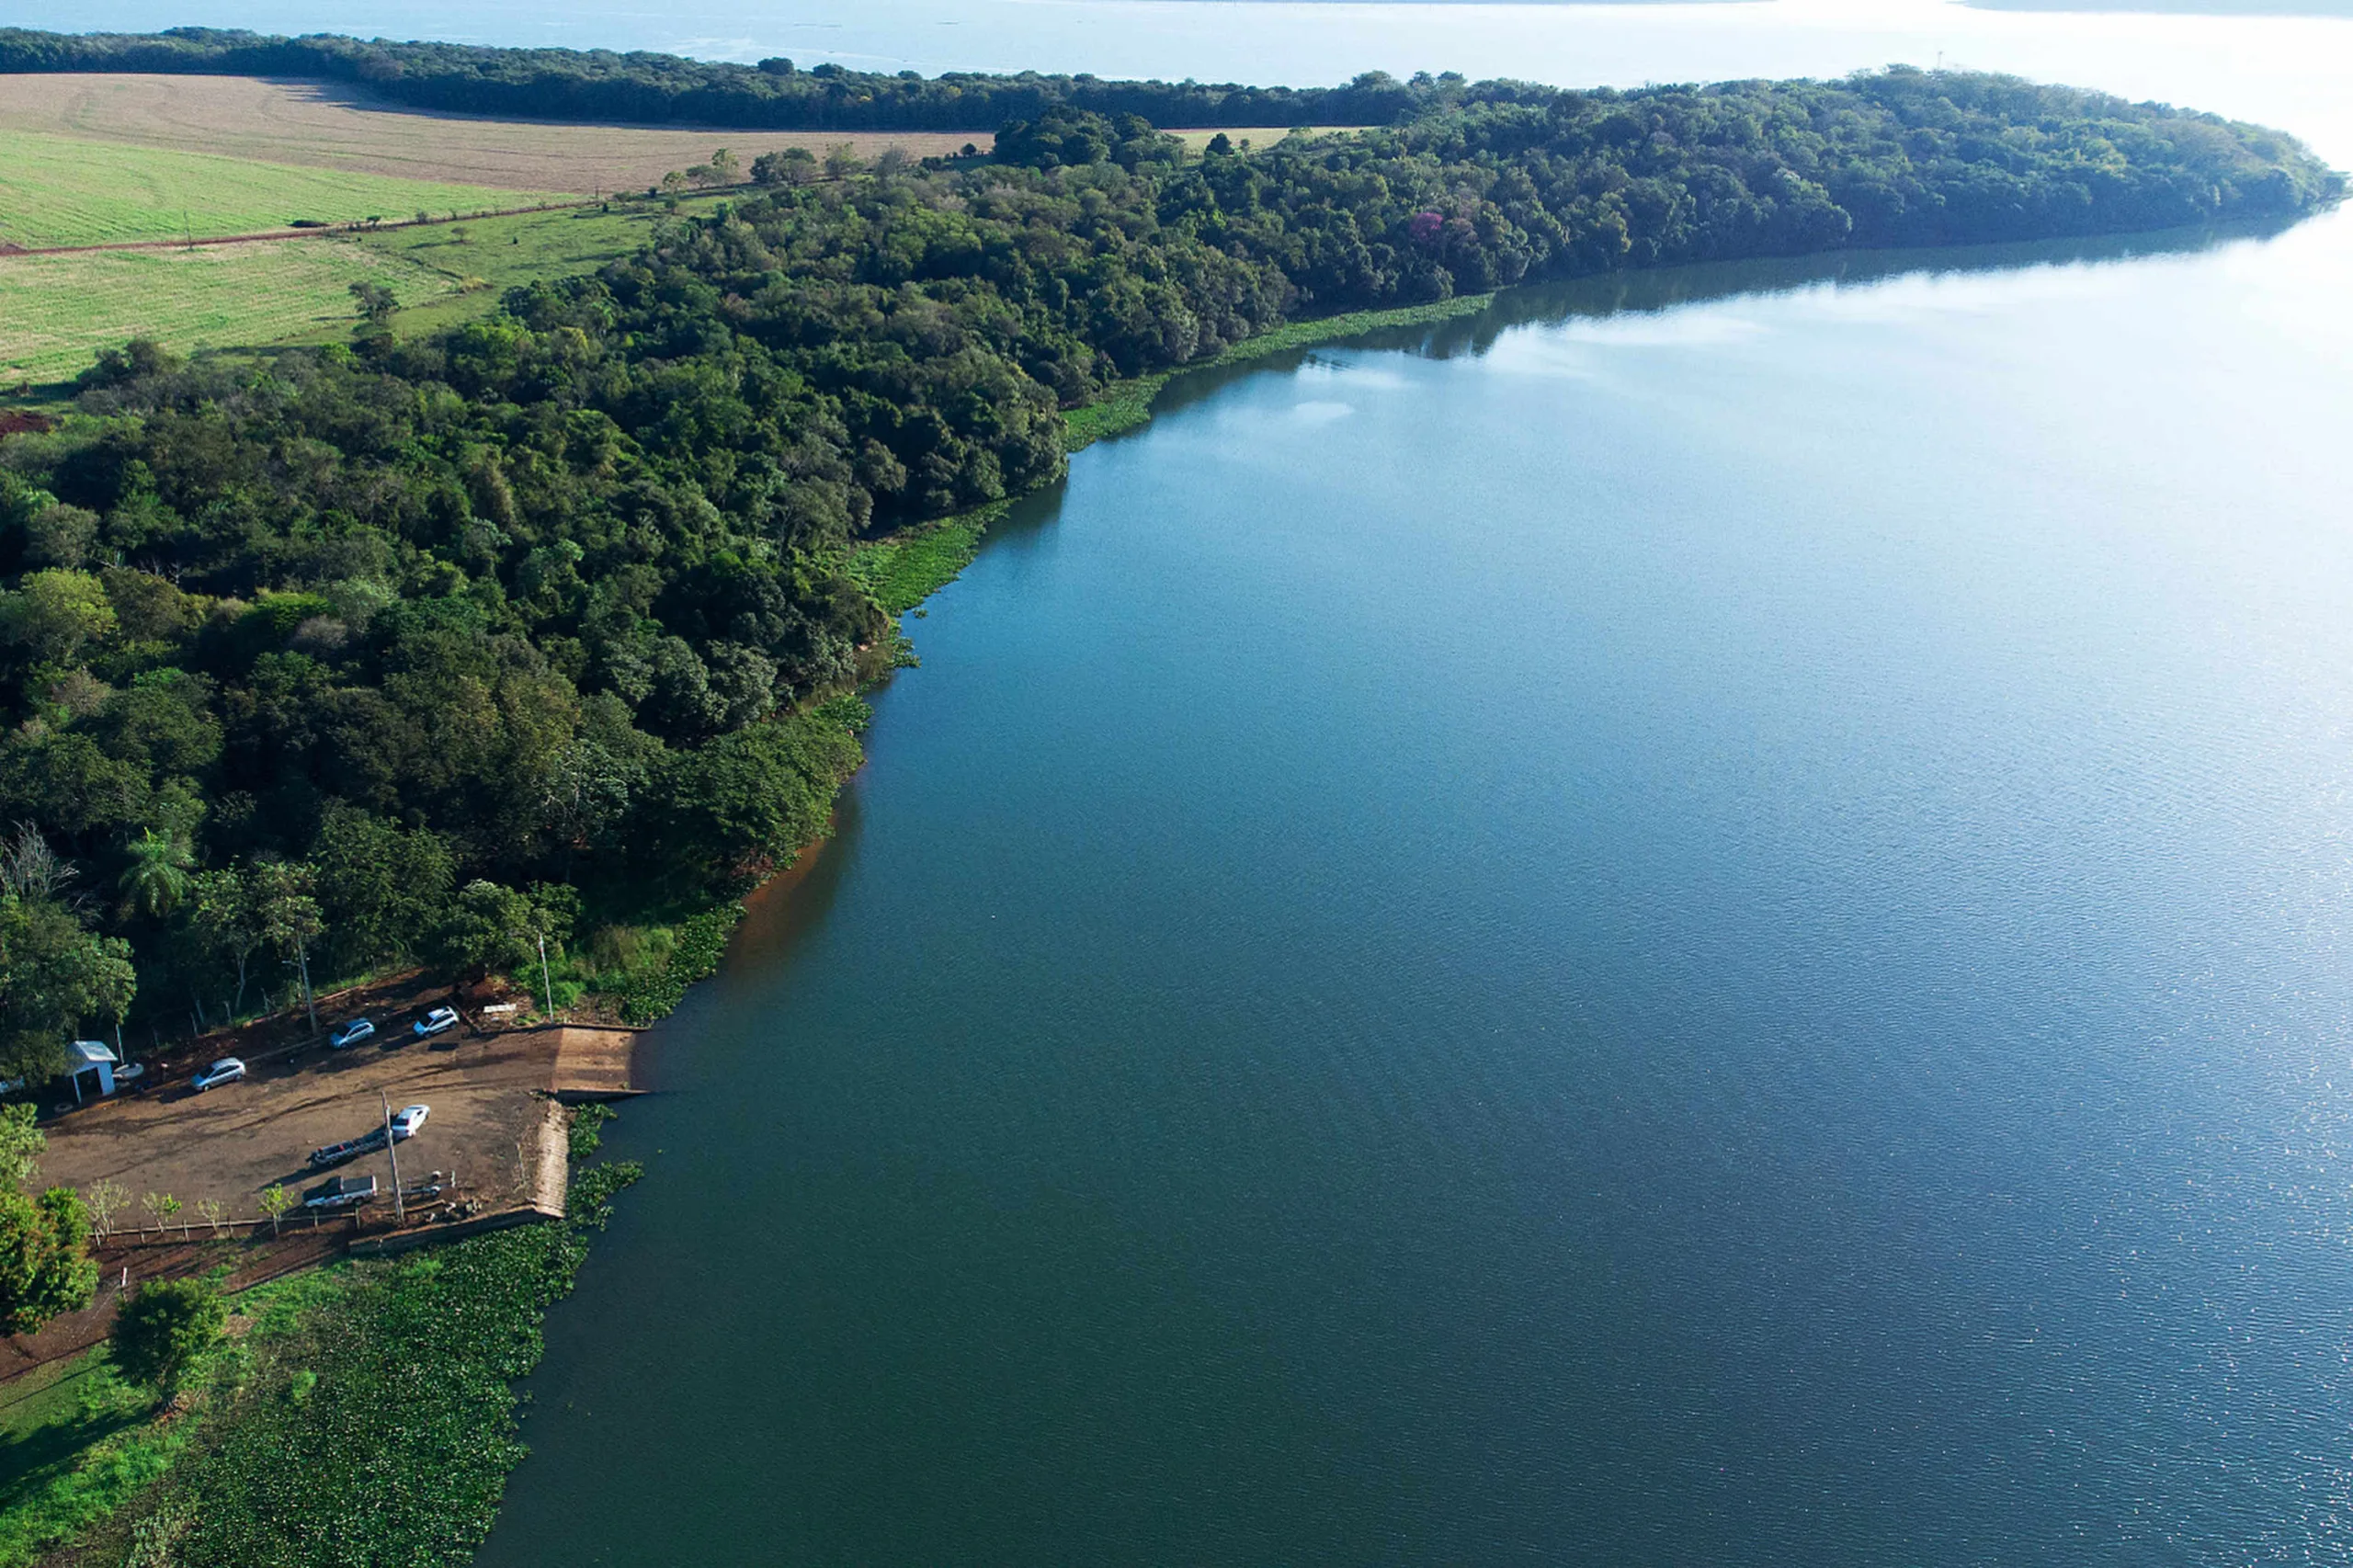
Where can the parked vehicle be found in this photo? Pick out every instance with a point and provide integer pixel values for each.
(408, 1120)
(350, 1148)
(340, 1192)
(352, 1033)
(228, 1070)
(438, 1021)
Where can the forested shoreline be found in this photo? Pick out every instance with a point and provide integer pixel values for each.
(418, 650)
(776, 94)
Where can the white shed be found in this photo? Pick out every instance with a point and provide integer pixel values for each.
(88, 1056)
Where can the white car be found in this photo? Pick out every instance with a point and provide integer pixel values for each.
(228, 1070)
(352, 1033)
(438, 1021)
(408, 1120)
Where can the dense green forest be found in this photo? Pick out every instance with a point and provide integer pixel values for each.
(414, 649)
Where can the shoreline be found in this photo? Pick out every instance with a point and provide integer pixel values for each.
(644, 1069)
(923, 559)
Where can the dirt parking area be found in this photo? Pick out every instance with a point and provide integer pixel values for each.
(487, 1130)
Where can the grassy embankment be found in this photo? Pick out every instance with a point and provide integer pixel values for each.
(360, 1414)
(77, 1443)
(908, 568)
(1128, 404)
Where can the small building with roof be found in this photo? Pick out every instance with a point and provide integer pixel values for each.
(92, 1061)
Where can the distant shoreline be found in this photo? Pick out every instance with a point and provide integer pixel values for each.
(2244, 10)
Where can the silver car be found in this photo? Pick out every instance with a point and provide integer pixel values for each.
(228, 1070)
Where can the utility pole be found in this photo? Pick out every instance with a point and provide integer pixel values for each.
(547, 984)
(302, 957)
(400, 1215)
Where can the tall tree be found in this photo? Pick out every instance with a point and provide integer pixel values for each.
(164, 1329)
(381, 889)
(489, 929)
(45, 1262)
(289, 915)
(157, 878)
(227, 925)
(53, 975)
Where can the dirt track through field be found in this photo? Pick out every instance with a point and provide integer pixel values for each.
(317, 232)
(325, 125)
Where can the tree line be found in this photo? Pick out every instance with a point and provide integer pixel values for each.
(422, 650)
(644, 88)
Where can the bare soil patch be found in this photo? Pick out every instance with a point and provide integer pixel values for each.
(230, 1143)
(327, 126)
(492, 1140)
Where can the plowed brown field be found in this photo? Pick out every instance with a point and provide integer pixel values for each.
(326, 126)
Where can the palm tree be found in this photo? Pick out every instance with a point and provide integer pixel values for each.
(157, 878)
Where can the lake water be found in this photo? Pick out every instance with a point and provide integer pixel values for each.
(1699, 922)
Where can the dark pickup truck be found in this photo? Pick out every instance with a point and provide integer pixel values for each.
(340, 1192)
(349, 1149)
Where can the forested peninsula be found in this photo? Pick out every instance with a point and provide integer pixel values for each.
(414, 649)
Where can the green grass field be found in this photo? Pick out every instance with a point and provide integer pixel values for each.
(74, 1444)
(504, 252)
(59, 191)
(56, 312)
(77, 1443)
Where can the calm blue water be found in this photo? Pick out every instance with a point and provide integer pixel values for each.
(1699, 924)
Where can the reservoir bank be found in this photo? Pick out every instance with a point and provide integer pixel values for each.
(1696, 921)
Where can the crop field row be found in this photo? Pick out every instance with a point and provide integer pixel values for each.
(56, 312)
(62, 190)
(325, 126)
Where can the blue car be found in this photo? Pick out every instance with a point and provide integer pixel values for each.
(352, 1033)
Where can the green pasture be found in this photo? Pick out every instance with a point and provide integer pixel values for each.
(479, 261)
(57, 311)
(60, 190)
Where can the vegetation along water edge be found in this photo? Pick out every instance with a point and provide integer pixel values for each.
(362, 1414)
(548, 626)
